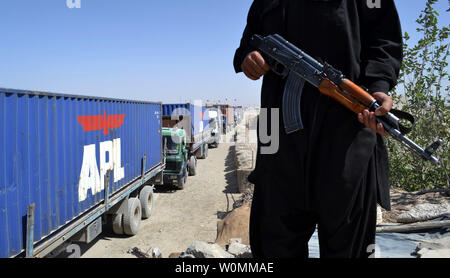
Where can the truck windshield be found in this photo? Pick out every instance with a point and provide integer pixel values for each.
(172, 147)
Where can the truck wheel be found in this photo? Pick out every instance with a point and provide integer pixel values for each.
(117, 223)
(182, 182)
(192, 166)
(216, 144)
(132, 217)
(146, 199)
(205, 152)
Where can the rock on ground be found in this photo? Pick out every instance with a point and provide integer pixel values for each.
(436, 254)
(175, 255)
(201, 249)
(439, 248)
(403, 201)
(240, 250)
(186, 256)
(424, 212)
(235, 225)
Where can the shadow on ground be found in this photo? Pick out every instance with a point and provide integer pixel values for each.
(165, 188)
(231, 186)
(77, 249)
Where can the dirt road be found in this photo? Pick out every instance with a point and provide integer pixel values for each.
(180, 216)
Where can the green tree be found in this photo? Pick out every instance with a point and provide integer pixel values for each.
(423, 91)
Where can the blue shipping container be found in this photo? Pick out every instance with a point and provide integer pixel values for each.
(195, 111)
(55, 150)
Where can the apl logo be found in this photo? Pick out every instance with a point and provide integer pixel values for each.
(90, 176)
(101, 122)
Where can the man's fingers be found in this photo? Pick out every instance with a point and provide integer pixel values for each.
(386, 103)
(361, 118)
(259, 60)
(380, 129)
(254, 66)
(381, 111)
(372, 122)
(369, 120)
(257, 69)
(250, 76)
(366, 118)
(249, 72)
(250, 68)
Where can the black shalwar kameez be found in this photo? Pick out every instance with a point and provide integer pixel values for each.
(334, 171)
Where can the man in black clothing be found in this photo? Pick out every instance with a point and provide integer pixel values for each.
(333, 172)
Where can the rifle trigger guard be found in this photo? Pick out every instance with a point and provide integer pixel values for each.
(280, 70)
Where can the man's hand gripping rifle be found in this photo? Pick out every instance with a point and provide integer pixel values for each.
(286, 59)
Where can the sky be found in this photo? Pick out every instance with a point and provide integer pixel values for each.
(168, 51)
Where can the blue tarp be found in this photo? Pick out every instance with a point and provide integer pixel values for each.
(390, 245)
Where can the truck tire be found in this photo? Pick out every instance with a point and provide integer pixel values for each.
(182, 182)
(117, 223)
(192, 166)
(205, 152)
(146, 199)
(132, 217)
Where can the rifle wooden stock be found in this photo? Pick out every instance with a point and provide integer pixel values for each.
(357, 92)
(327, 87)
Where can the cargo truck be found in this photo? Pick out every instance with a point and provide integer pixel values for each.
(69, 164)
(178, 158)
(238, 114)
(186, 135)
(227, 115)
(214, 116)
(228, 111)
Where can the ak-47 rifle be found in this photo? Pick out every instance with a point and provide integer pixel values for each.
(287, 60)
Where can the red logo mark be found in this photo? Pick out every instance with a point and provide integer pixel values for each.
(101, 122)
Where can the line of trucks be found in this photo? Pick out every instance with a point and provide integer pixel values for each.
(70, 164)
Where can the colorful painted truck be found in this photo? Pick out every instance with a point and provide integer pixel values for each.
(69, 164)
(186, 135)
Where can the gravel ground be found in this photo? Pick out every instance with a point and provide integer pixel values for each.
(180, 216)
(402, 201)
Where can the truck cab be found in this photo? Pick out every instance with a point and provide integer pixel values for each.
(177, 157)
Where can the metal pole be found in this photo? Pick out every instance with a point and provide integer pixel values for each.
(30, 231)
(107, 182)
(143, 168)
